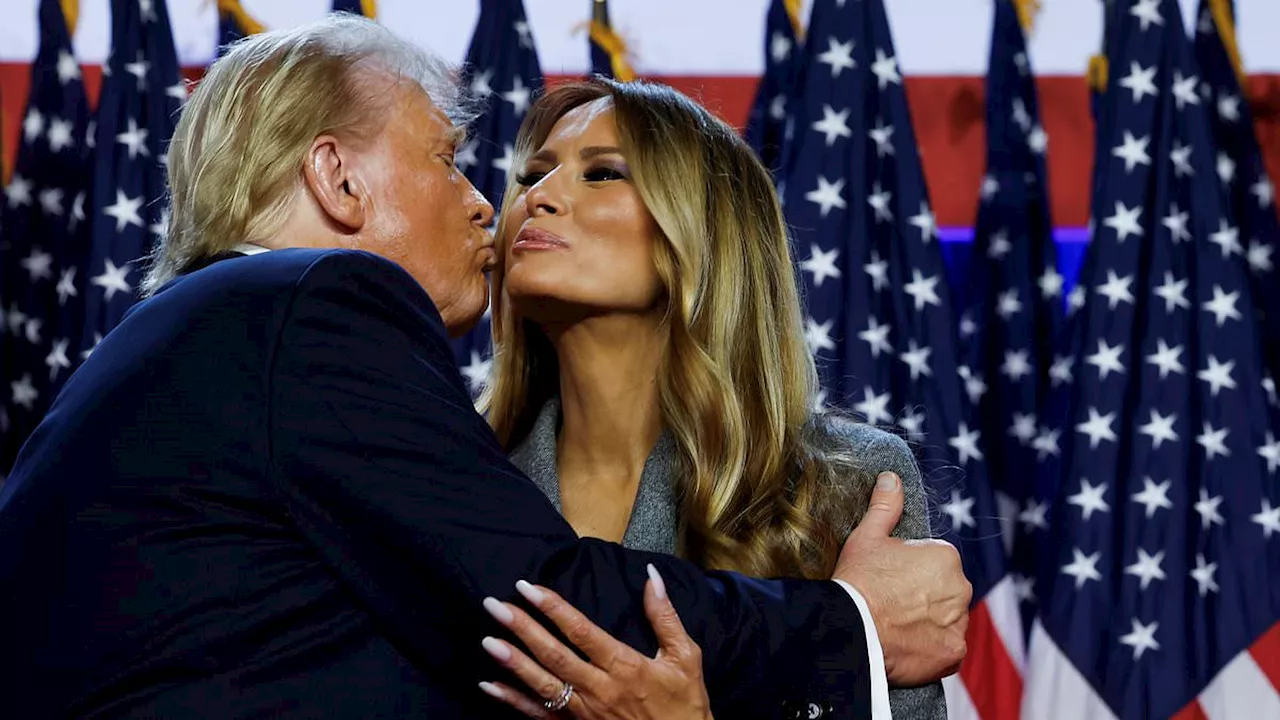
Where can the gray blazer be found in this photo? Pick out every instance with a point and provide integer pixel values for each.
(653, 517)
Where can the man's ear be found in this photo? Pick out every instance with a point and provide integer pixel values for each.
(329, 174)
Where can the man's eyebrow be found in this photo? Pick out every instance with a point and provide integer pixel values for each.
(455, 136)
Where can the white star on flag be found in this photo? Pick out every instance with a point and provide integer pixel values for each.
(1083, 567)
(875, 408)
(1218, 375)
(1107, 359)
(879, 199)
(1160, 428)
(1035, 516)
(1213, 441)
(68, 68)
(518, 96)
(917, 359)
(1176, 222)
(882, 135)
(1270, 451)
(1174, 293)
(1147, 568)
(960, 510)
(877, 336)
(966, 445)
(1207, 508)
(1268, 519)
(1181, 157)
(125, 210)
(113, 279)
(1141, 638)
(923, 290)
(885, 68)
(827, 195)
(1116, 289)
(1167, 359)
(926, 221)
(1223, 305)
(818, 336)
(1140, 82)
(1125, 221)
(833, 124)
(1089, 499)
(24, 393)
(477, 371)
(1133, 151)
(838, 55)
(1098, 428)
(822, 264)
(38, 265)
(1203, 575)
(1228, 238)
(1153, 496)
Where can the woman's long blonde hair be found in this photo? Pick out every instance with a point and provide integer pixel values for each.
(762, 489)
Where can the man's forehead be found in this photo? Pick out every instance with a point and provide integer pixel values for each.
(431, 119)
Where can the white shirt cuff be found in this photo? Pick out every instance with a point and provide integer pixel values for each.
(875, 657)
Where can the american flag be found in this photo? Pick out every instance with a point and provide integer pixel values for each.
(141, 97)
(1241, 168)
(879, 316)
(503, 71)
(45, 238)
(608, 49)
(767, 122)
(1007, 336)
(234, 23)
(1159, 596)
(367, 8)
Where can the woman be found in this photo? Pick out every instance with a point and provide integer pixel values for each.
(651, 374)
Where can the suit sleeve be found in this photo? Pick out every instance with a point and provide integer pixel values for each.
(389, 472)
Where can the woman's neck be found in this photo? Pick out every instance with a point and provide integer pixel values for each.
(608, 397)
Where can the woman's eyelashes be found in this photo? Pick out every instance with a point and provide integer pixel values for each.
(599, 173)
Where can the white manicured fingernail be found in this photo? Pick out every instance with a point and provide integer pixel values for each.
(491, 690)
(500, 612)
(496, 649)
(659, 587)
(530, 593)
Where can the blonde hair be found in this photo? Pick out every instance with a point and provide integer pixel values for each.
(239, 145)
(762, 487)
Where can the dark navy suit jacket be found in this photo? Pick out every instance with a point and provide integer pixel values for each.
(267, 494)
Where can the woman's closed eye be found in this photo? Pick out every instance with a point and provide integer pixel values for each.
(604, 174)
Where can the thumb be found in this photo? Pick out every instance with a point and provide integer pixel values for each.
(885, 509)
(662, 614)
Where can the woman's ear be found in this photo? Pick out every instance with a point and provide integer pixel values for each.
(328, 173)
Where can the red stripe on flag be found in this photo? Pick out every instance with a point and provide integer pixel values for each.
(993, 682)
(1266, 652)
(1192, 711)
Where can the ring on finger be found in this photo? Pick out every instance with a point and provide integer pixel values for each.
(562, 700)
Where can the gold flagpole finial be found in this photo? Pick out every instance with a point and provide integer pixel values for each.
(608, 40)
(1027, 11)
(248, 25)
(71, 13)
(793, 13)
(1226, 25)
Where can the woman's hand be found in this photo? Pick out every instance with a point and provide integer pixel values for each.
(619, 682)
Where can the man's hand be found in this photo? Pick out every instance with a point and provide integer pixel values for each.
(915, 589)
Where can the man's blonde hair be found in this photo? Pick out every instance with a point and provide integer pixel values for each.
(239, 146)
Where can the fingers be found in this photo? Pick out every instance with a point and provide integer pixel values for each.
(671, 634)
(544, 684)
(515, 699)
(885, 509)
(598, 645)
(561, 661)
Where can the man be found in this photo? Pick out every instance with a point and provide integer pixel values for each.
(267, 493)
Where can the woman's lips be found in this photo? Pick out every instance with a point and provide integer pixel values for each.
(531, 239)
